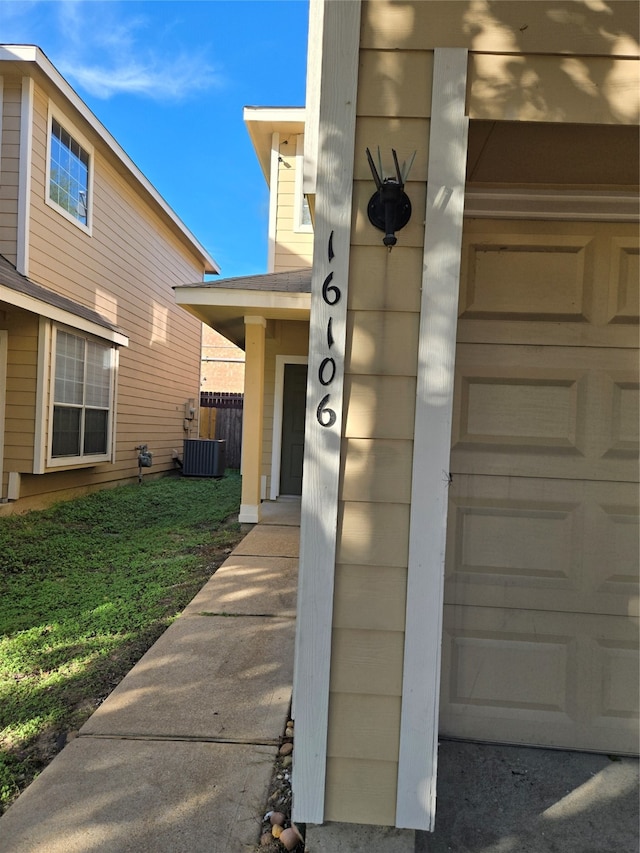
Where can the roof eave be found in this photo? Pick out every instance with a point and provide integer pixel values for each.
(263, 122)
(34, 54)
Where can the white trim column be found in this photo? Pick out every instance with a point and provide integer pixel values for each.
(274, 174)
(416, 797)
(24, 175)
(252, 419)
(323, 426)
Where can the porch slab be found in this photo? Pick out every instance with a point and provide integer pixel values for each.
(216, 677)
(267, 540)
(250, 586)
(283, 511)
(129, 796)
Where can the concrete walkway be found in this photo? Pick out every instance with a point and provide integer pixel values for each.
(179, 757)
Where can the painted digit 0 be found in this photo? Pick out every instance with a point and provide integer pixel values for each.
(325, 362)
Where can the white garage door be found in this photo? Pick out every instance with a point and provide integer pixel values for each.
(540, 636)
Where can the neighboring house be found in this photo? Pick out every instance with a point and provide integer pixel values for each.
(278, 137)
(267, 317)
(95, 357)
(469, 536)
(222, 363)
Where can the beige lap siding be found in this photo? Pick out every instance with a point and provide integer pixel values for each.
(22, 359)
(293, 249)
(9, 165)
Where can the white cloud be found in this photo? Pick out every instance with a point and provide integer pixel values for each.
(107, 49)
(175, 81)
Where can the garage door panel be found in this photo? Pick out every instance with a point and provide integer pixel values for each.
(553, 679)
(543, 544)
(546, 412)
(512, 672)
(540, 641)
(625, 418)
(624, 294)
(519, 411)
(616, 680)
(527, 275)
(567, 283)
(613, 537)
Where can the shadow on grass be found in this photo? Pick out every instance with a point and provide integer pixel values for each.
(85, 589)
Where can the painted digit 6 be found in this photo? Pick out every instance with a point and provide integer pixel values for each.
(323, 410)
(330, 293)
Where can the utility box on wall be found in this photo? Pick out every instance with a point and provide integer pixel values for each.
(203, 457)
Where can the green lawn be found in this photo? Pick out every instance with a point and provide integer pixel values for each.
(85, 588)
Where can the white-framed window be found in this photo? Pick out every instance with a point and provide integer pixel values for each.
(69, 172)
(82, 395)
(302, 214)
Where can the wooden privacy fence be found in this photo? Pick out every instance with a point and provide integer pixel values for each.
(221, 418)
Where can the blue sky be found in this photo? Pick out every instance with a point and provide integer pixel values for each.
(169, 80)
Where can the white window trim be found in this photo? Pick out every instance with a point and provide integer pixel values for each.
(298, 186)
(88, 460)
(273, 201)
(73, 131)
(24, 175)
(278, 403)
(45, 331)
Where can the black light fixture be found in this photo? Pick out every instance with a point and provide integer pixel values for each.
(389, 207)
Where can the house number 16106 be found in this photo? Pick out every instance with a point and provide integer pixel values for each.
(331, 294)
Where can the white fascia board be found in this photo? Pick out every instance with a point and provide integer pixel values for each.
(30, 53)
(257, 300)
(277, 115)
(59, 315)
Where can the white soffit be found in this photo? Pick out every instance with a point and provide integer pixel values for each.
(263, 122)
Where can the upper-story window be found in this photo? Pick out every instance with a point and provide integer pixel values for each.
(69, 174)
(305, 213)
(301, 214)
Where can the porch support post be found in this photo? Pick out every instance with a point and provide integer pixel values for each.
(252, 419)
(416, 798)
